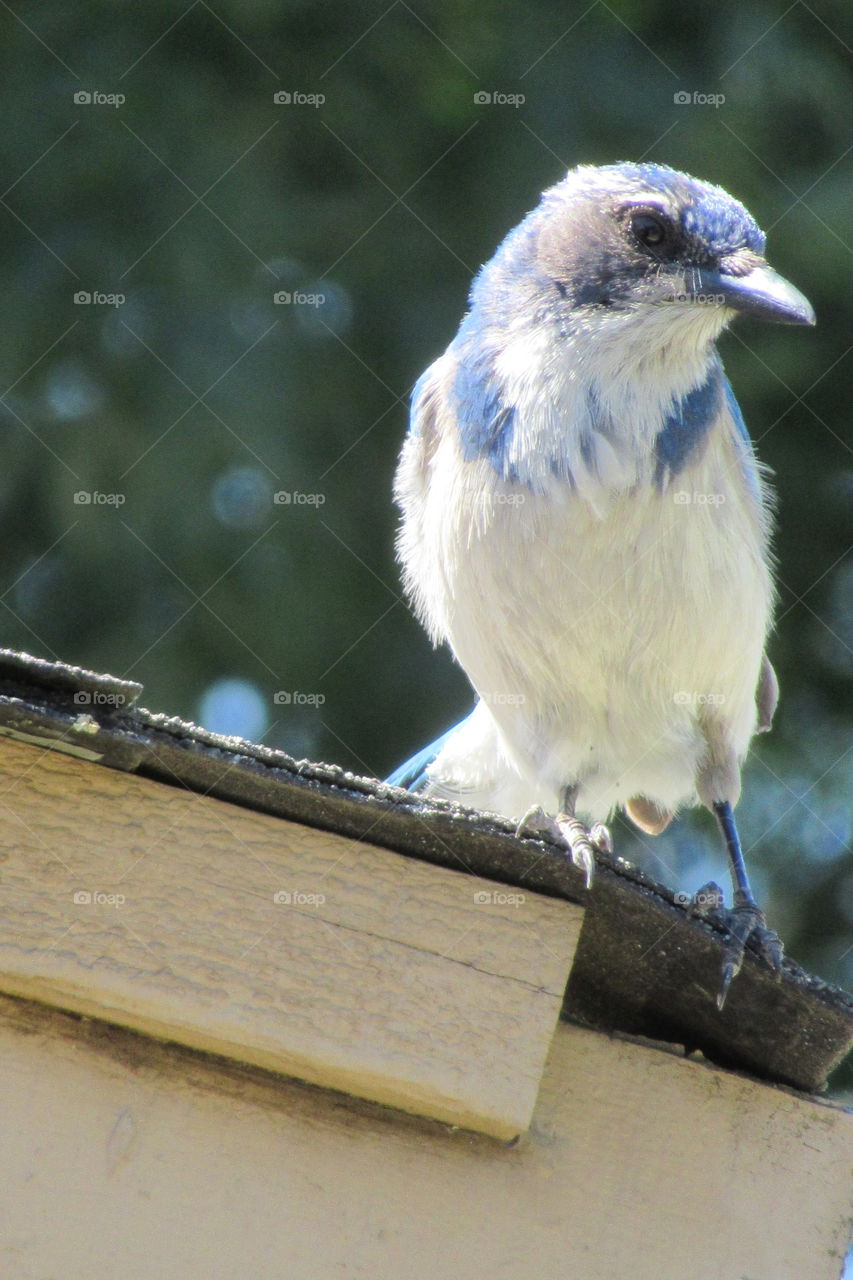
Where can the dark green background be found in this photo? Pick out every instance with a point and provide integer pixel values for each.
(200, 197)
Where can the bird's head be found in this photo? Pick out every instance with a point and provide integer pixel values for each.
(642, 247)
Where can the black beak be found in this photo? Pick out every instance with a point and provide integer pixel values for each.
(761, 292)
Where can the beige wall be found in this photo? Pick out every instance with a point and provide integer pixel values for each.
(125, 1158)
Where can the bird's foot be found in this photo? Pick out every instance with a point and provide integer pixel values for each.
(581, 843)
(745, 922)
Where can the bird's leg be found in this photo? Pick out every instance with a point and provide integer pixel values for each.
(569, 831)
(745, 920)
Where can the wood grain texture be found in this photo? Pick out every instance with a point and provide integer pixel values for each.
(286, 947)
(124, 1157)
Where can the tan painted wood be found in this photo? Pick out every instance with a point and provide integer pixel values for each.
(124, 1157)
(143, 904)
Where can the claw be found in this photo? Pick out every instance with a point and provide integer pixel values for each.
(745, 922)
(535, 821)
(570, 832)
(576, 836)
(601, 838)
(730, 970)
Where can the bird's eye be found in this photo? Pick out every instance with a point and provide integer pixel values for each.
(651, 229)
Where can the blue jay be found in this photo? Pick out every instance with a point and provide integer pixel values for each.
(585, 524)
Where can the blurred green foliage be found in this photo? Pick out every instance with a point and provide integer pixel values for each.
(199, 197)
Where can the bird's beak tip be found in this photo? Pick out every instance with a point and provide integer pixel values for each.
(762, 293)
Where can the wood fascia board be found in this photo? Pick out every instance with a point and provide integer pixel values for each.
(395, 980)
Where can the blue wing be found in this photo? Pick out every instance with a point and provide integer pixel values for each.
(412, 775)
(750, 466)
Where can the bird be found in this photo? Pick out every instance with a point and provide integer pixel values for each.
(586, 525)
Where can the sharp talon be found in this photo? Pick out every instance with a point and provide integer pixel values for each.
(770, 946)
(578, 839)
(534, 820)
(601, 838)
(731, 969)
(728, 974)
(585, 860)
(745, 922)
(571, 834)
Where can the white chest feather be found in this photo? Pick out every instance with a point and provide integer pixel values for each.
(604, 626)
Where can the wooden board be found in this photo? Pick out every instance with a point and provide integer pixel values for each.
(126, 1158)
(279, 945)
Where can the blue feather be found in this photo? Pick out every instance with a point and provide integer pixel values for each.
(715, 221)
(750, 469)
(485, 421)
(734, 409)
(688, 425)
(412, 775)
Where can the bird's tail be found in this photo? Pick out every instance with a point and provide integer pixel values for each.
(412, 775)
